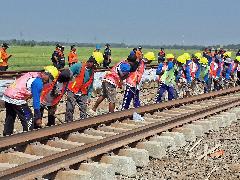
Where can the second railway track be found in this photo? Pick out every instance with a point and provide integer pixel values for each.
(66, 145)
(15, 74)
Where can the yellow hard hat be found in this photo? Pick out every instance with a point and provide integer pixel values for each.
(198, 55)
(187, 56)
(181, 59)
(150, 56)
(169, 56)
(228, 54)
(203, 60)
(98, 57)
(238, 58)
(52, 70)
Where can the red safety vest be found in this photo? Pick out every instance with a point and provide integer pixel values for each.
(113, 76)
(46, 98)
(213, 69)
(134, 78)
(193, 69)
(78, 84)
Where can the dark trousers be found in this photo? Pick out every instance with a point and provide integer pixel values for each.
(58, 65)
(238, 78)
(162, 88)
(55, 64)
(216, 84)
(51, 114)
(106, 63)
(129, 94)
(3, 68)
(23, 112)
(72, 100)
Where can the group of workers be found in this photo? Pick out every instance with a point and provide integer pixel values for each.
(213, 69)
(47, 88)
(58, 58)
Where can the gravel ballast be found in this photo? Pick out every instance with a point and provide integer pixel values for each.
(183, 164)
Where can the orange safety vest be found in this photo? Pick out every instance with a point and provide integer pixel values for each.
(72, 57)
(46, 98)
(4, 57)
(213, 69)
(78, 84)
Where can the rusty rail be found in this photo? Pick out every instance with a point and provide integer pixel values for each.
(58, 130)
(72, 156)
(11, 74)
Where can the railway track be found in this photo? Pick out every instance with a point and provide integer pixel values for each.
(57, 150)
(15, 74)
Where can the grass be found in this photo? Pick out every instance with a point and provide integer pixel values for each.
(35, 58)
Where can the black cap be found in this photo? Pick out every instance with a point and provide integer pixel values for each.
(72, 46)
(5, 45)
(91, 59)
(64, 76)
(132, 58)
(107, 44)
(140, 47)
(58, 45)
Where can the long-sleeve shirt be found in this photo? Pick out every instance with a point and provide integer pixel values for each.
(170, 65)
(76, 69)
(36, 89)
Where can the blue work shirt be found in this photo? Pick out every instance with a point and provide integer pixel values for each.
(186, 70)
(228, 71)
(170, 65)
(36, 90)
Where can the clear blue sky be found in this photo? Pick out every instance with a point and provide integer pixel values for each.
(154, 22)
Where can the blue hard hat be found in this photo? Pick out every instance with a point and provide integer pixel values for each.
(98, 47)
(132, 53)
(124, 67)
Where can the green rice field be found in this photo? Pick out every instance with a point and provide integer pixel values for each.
(35, 58)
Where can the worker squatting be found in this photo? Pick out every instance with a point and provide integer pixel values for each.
(47, 88)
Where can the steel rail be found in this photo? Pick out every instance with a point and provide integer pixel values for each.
(69, 157)
(17, 73)
(67, 128)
